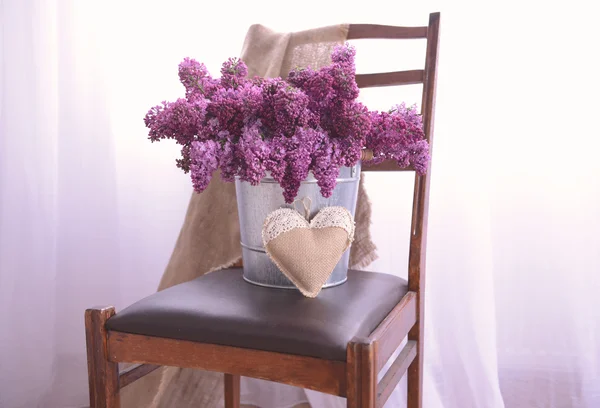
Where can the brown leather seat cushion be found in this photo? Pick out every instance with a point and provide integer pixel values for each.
(221, 308)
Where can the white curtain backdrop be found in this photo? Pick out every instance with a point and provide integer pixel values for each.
(90, 210)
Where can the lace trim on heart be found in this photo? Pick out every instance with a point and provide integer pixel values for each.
(287, 219)
(335, 217)
(280, 221)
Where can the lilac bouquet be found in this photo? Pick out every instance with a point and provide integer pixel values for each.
(310, 122)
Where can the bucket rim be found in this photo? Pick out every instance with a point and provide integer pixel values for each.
(355, 174)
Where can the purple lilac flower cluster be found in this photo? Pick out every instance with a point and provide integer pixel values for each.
(310, 122)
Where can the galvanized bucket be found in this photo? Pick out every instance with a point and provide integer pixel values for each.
(256, 202)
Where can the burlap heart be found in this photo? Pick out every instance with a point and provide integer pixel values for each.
(307, 252)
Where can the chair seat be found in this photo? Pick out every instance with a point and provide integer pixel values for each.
(222, 308)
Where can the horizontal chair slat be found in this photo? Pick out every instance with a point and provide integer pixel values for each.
(393, 329)
(390, 78)
(135, 373)
(395, 373)
(307, 372)
(376, 31)
(388, 165)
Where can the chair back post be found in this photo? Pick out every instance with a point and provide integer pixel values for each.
(418, 237)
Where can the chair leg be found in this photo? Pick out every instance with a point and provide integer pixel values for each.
(232, 391)
(415, 370)
(361, 376)
(103, 375)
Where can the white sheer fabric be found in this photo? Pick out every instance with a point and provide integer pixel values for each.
(89, 210)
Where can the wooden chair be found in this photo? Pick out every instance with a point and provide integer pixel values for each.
(336, 343)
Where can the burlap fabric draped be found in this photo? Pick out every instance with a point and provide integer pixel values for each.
(210, 236)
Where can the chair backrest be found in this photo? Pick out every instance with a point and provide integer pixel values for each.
(426, 76)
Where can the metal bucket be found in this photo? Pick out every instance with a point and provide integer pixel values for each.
(256, 202)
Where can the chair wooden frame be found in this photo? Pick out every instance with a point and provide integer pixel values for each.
(355, 378)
